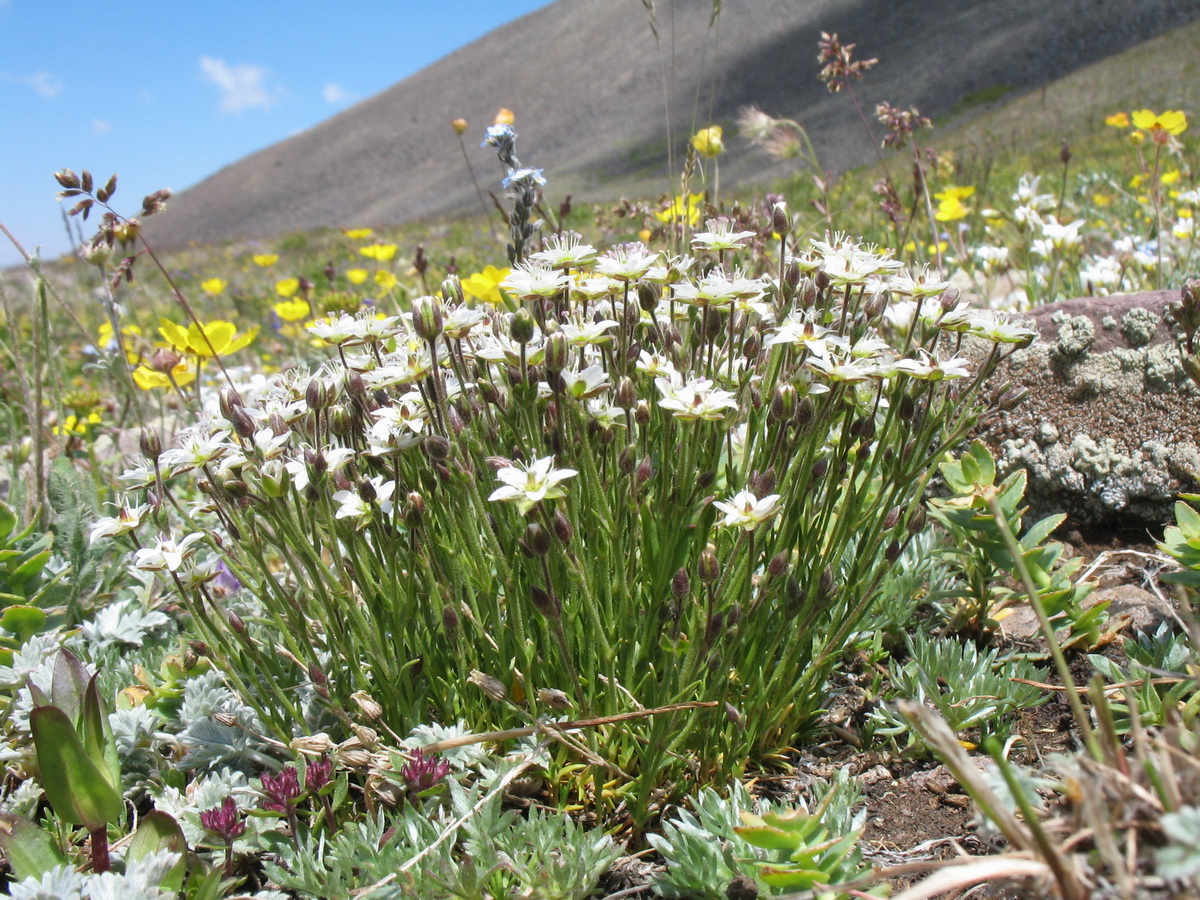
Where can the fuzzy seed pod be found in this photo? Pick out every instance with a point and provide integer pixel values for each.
(681, 583)
(521, 328)
(710, 569)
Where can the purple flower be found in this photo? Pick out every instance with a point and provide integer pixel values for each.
(423, 772)
(226, 583)
(318, 773)
(280, 791)
(224, 821)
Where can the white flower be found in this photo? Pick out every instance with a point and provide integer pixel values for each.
(590, 382)
(127, 519)
(580, 335)
(626, 262)
(720, 236)
(341, 330)
(353, 506)
(564, 251)
(696, 399)
(744, 510)
(533, 280)
(921, 283)
(198, 447)
(528, 485)
(167, 553)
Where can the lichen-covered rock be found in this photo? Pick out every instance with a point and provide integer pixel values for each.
(1110, 430)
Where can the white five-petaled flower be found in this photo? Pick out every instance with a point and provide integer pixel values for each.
(696, 399)
(564, 251)
(528, 485)
(721, 236)
(533, 280)
(353, 506)
(626, 262)
(744, 510)
(167, 553)
(126, 520)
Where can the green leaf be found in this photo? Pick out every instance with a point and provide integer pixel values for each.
(159, 831)
(1039, 531)
(29, 849)
(8, 521)
(795, 879)
(23, 621)
(79, 792)
(96, 736)
(69, 683)
(1188, 519)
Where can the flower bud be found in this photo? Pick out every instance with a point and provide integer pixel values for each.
(778, 564)
(647, 295)
(545, 603)
(562, 527)
(558, 352)
(449, 618)
(820, 467)
(521, 327)
(459, 125)
(949, 299)
(626, 393)
(236, 623)
(892, 518)
(150, 444)
(917, 521)
(164, 361)
(781, 219)
(355, 386)
(681, 583)
(275, 478)
(554, 698)
(641, 414)
(452, 289)
(714, 627)
(710, 569)
(892, 553)
(243, 425)
(537, 539)
(644, 471)
(437, 446)
(427, 318)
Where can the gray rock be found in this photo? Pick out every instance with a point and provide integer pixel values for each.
(1110, 431)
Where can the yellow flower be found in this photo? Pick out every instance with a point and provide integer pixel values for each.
(359, 234)
(1183, 213)
(682, 209)
(385, 279)
(148, 379)
(1170, 177)
(213, 286)
(221, 335)
(1101, 199)
(708, 141)
(287, 287)
(950, 203)
(265, 259)
(1136, 137)
(357, 276)
(644, 235)
(1172, 121)
(485, 285)
(380, 252)
(504, 116)
(77, 426)
(105, 338)
(292, 310)
(459, 125)
(1117, 120)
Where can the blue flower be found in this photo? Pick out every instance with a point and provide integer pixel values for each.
(524, 177)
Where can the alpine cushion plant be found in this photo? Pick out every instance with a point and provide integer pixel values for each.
(637, 483)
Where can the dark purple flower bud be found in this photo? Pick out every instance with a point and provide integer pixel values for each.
(224, 821)
(424, 772)
(280, 791)
(318, 774)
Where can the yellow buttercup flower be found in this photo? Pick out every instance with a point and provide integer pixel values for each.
(287, 287)
(708, 141)
(504, 116)
(292, 310)
(77, 426)
(1170, 177)
(950, 203)
(1117, 120)
(147, 379)
(1136, 137)
(213, 286)
(265, 259)
(1172, 121)
(380, 252)
(485, 286)
(359, 234)
(644, 235)
(1101, 199)
(385, 279)
(357, 276)
(682, 209)
(221, 335)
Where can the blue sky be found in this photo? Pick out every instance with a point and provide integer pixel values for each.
(166, 92)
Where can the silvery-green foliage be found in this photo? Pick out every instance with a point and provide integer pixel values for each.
(24, 800)
(1150, 657)
(700, 849)
(33, 665)
(553, 857)
(210, 743)
(844, 810)
(920, 576)
(30, 658)
(140, 739)
(1180, 859)
(141, 880)
(1030, 782)
(969, 687)
(208, 792)
(363, 853)
(122, 623)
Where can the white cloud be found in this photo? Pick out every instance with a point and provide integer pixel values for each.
(101, 126)
(44, 84)
(335, 94)
(242, 86)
